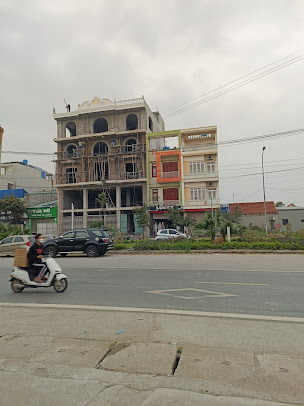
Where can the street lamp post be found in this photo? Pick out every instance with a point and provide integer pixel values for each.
(266, 228)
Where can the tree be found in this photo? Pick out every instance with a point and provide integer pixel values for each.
(12, 209)
(142, 216)
(102, 199)
(223, 220)
(208, 224)
(175, 217)
(280, 204)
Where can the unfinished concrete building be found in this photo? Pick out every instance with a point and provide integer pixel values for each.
(101, 162)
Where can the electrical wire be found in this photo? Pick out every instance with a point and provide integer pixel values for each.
(233, 81)
(254, 78)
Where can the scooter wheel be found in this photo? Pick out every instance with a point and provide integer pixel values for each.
(15, 285)
(60, 285)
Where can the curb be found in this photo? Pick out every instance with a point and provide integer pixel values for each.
(248, 317)
(160, 252)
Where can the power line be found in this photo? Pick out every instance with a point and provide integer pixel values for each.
(254, 78)
(233, 81)
(260, 173)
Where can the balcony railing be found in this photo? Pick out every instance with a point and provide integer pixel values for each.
(72, 178)
(165, 203)
(112, 150)
(172, 174)
(201, 175)
(206, 202)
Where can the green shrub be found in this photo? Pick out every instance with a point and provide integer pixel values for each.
(194, 245)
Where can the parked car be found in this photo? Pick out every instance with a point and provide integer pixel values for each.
(168, 233)
(92, 241)
(9, 244)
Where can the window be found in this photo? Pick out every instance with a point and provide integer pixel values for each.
(196, 167)
(3, 171)
(100, 125)
(70, 129)
(212, 193)
(164, 232)
(71, 175)
(210, 167)
(7, 240)
(132, 122)
(302, 220)
(172, 232)
(197, 193)
(284, 222)
(70, 234)
(130, 145)
(150, 124)
(19, 239)
(101, 148)
(70, 150)
(154, 195)
(100, 233)
(154, 171)
(81, 234)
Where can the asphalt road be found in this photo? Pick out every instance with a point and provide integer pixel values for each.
(243, 284)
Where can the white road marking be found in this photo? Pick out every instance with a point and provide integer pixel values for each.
(209, 293)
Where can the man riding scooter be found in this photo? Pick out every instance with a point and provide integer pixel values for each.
(35, 254)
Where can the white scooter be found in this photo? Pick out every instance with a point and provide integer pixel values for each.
(20, 277)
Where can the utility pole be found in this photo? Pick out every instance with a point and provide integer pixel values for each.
(265, 214)
(72, 225)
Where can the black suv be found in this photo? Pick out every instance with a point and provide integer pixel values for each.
(92, 241)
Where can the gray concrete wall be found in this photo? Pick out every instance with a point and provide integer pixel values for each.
(249, 220)
(294, 215)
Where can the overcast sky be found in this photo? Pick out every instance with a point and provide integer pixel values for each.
(170, 51)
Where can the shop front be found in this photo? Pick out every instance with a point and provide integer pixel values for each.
(42, 220)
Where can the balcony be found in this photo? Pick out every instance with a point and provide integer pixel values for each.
(201, 175)
(112, 150)
(165, 203)
(215, 202)
(172, 174)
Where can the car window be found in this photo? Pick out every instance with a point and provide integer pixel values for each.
(7, 240)
(70, 234)
(173, 232)
(100, 233)
(163, 232)
(18, 239)
(31, 240)
(81, 234)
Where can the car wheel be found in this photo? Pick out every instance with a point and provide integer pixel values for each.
(91, 251)
(63, 254)
(51, 251)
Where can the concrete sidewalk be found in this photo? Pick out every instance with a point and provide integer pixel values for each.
(88, 356)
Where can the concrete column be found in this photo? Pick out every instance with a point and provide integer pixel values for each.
(118, 205)
(85, 206)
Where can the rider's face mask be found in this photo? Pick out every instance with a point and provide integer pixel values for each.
(41, 240)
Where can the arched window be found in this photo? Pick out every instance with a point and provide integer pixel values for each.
(150, 124)
(70, 129)
(70, 150)
(130, 144)
(132, 122)
(101, 148)
(101, 125)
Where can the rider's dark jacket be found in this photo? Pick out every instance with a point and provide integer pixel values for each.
(33, 253)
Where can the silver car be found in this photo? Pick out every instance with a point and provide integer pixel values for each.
(169, 233)
(9, 244)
